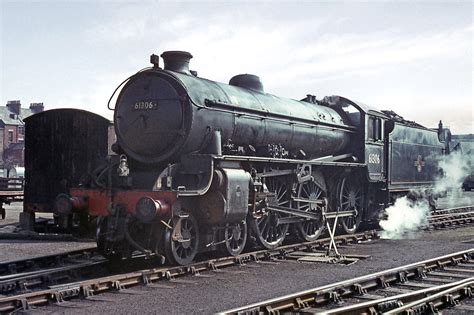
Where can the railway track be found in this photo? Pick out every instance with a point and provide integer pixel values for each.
(438, 219)
(24, 275)
(45, 271)
(84, 273)
(153, 277)
(424, 287)
(46, 261)
(453, 210)
(39, 272)
(451, 217)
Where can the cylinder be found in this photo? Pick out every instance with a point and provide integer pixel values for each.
(147, 209)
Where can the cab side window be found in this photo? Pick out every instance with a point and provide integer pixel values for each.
(374, 129)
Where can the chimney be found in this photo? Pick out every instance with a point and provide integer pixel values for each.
(14, 107)
(36, 107)
(177, 61)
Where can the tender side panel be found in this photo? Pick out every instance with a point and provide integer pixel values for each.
(414, 154)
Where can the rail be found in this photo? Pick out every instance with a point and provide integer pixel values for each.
(310, 300)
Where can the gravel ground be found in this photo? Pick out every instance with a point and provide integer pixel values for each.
(12, 213)
(228, 290)
(19, 249)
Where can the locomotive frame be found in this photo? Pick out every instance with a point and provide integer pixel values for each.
(224, 166)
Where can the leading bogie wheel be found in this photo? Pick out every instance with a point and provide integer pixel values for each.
(182, 241)
(235, 238)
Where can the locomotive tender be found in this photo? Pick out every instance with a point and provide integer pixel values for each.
(202, 165)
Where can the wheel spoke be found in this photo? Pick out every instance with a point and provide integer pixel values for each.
(320, 192)
(305, 191)
(265, 222)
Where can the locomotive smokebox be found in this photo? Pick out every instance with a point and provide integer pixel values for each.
(177, 61)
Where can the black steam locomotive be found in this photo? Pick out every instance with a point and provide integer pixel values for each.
(202, 165)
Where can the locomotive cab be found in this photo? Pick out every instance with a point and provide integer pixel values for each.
(375, 146)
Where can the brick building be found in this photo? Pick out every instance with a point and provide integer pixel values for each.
(12, 132)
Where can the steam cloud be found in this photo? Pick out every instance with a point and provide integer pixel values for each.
(456, 167)
(405, 216)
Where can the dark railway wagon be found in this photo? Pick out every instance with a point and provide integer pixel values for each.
(63, 148)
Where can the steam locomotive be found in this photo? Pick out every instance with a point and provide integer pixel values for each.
(201, 165)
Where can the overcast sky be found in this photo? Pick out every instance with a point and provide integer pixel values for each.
(413, 57)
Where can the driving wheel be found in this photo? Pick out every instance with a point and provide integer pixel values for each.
(265, 224)
(350, 196)
(310, 229)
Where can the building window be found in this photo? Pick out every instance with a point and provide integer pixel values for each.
(21, 130)
(10, 135)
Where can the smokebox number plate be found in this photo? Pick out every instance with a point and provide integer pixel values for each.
(146, 105)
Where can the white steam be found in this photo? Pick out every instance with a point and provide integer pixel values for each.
(455, 167)
(405, 216)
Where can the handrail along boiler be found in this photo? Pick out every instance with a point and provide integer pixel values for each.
(202, 165)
